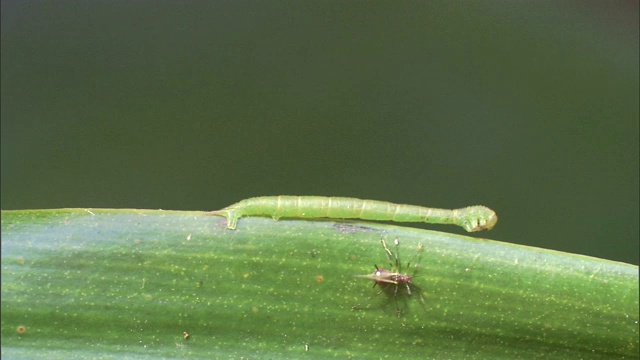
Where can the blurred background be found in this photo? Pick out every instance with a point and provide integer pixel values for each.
(530, 108)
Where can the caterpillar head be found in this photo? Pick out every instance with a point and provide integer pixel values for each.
(476, 218)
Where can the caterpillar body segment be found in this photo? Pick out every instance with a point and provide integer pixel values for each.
(472, 218)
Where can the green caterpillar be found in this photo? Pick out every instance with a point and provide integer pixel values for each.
(471, 218)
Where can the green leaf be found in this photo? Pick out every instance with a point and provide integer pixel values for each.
(130, 283)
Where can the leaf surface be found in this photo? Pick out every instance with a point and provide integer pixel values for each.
(108, 284)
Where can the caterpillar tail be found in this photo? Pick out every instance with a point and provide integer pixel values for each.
(231, 216)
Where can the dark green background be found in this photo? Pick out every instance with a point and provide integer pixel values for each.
(529, 108)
